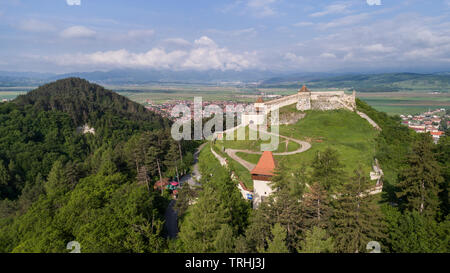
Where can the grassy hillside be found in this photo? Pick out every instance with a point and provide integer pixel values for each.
(342, 130)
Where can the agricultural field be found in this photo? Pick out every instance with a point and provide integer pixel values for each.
(397, 103)
(393, 103)
(10, 93)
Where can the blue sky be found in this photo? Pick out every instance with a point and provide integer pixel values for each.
(278, 35)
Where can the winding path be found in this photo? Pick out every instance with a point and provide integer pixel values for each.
(304, 146)
(193, 178)
(170, 215)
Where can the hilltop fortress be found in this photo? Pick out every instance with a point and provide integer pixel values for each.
(307, 100)
(304, 100)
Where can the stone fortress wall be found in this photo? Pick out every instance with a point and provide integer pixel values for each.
(307, 100)
(304, 100)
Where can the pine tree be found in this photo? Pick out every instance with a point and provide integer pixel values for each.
(356, 217)
(278, 242)
(412, 232)
(327, 169)
(224, 242)
(282, 208)
(152, 162)
(443, 156)
(419, 182)
(185, 196)
(173, 158)
(202, 223)
(317, 241)
(316, 207)
(292, 181)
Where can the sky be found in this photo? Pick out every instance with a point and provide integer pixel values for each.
(63, 36)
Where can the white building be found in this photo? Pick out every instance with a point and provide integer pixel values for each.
(262, 175)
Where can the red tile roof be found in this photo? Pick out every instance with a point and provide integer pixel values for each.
(303, 89)
(266, 164)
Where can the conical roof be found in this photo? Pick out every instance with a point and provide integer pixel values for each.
(266, 164)
(303, 89)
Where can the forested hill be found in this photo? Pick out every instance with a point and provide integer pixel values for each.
(59, 185)
(86, 102)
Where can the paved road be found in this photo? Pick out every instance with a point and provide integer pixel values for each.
(171, 223)
(193, 178)
(304, 146)
(171, 216)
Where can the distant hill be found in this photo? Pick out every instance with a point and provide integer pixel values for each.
(134, 76)
(388, 82)
(385, 82)
(139, 76)
(86, 102)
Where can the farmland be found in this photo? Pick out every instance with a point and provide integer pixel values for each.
(393, 103)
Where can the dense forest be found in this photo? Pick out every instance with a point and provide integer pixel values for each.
(58, 184)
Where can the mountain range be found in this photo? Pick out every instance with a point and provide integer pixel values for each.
(380, 82)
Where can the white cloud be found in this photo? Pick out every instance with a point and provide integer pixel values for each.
(328, 55)
(177, 41)
(332, 9)
(33, 25)
(378, 48)
(262, 8)
(345, 21)
(303, 24)
(205, 54)
(292, 57)
(256, 8)
(244, 32)
(205, 41)
(73, 2)
(373, 2)
(77, 32)
(140, 33)
(408, 40)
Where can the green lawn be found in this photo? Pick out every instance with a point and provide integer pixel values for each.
(342, 130)
(240, 171)
(255, 145)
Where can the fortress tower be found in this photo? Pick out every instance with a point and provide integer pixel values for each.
(304, 99)
(262, 175)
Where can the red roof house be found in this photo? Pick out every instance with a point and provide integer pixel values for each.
(265, 168)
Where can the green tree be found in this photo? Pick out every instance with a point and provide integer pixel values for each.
(316, 207)
(278, 242)
(443, 156)
(327, 169)
(224, 242)
(412, 232)
(202, 223)
(292, 181)
(282, 208)
(356, 218)
(419, 182)
(317, 241)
